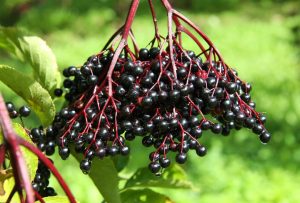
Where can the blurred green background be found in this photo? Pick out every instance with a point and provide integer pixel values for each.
(260, 38)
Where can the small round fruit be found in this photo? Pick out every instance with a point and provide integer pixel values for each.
(64, 152)
(10, 106)
(201, 150)
(154, 167)
(58, 92)
(181, 158)
(265, 137)
(24, 111)
(164, 162)
(85, 165)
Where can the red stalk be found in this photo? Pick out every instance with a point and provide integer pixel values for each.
(17, 159)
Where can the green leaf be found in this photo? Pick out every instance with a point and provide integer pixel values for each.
(120, 162)
(56, 199)
(173, 177)
(30, 158)
(144, 196)
(35, 51)
(7, 187)
(31, 91)
(105, 176)
(4, 175)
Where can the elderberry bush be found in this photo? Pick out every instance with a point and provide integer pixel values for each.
(170, 108)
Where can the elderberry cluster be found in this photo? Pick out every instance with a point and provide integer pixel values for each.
(169, 102)
(41, 181)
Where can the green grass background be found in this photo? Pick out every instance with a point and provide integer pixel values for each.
(259, 38)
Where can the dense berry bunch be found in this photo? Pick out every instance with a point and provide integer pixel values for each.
(169, 107)
(45, 139)
(41, 181)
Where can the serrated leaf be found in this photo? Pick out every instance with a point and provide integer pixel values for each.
(105, 177)
(55, 199)
(31, 91)
(173, 177)
(144, 196)
(35, 51)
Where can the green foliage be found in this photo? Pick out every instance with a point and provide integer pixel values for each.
(30, 158)
(105, 177)
(144, 196)
(173, 177)
(31, 91)
(33, 50)
(55, 199)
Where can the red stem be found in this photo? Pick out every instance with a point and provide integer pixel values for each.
(190, 23)
(17, 158)
(123, 42)
(154, 21)
(50, 166)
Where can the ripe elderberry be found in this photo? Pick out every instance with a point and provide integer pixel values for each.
(24, 111)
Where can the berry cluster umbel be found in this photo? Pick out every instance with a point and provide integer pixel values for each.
(169, 107)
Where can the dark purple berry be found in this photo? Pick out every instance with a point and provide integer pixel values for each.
(24, 111)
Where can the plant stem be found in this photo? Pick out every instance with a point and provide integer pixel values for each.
(17, 159)
(123, 42)
(50, 166)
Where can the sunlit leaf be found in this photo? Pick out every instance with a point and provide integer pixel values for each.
(31, 91)
(105, 177)
(144, 196)
(120, 162)
(35, 51)
(30, 158)
(56, 199)
(173, 177)
(4, 175)
(7, 187)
